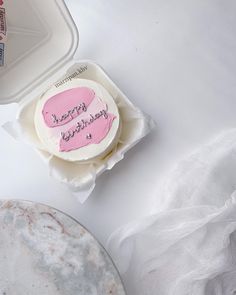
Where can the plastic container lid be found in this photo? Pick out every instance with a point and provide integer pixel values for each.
(41, 39)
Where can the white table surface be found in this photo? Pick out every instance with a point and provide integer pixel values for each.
(176, 60)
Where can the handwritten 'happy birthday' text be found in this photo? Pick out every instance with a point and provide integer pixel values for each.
(82, 124)
(70, 113)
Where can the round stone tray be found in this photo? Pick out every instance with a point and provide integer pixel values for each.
(43, 251)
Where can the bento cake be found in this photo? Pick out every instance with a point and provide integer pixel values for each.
(78, 122)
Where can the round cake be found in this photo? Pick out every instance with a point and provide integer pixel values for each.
(78, 122)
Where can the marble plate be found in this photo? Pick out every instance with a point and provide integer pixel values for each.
(45, 252)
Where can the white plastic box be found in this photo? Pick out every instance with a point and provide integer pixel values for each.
(41, 41)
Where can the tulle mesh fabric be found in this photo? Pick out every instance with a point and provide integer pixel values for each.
(187, 246)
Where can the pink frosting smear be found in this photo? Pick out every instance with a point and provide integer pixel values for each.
(66, 106)
(90, 131)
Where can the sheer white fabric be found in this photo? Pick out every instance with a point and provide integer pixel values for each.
(187, 246)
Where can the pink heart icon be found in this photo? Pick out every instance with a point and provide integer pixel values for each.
(1, 2)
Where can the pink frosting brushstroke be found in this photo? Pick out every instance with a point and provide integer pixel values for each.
(66, 106)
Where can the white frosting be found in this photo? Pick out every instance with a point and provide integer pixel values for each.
(50, 137)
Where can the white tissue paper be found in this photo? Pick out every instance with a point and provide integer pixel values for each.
(81, 178)
(187, 246)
